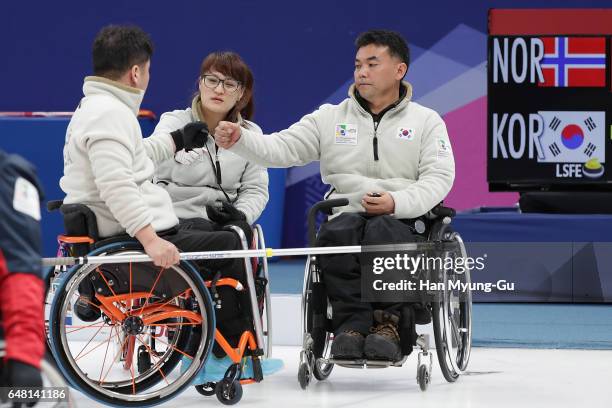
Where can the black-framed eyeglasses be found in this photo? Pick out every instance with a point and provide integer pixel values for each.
(229, 84)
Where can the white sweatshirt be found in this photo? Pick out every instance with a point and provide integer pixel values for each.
(194, 186)
(107, 165)
(415, 160)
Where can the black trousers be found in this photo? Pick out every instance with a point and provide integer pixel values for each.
(342, 272)
(234, 316)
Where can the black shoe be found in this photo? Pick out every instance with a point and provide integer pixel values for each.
(348, 344)
(86, 309)
(384, 342)
(422, 315)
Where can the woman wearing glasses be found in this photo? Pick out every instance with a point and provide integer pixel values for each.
(211, 187)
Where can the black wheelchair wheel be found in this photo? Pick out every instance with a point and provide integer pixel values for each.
(423, 377)
(207, 389)
(135, 301)
(303, 376)
(452, 318)
(264, 297)
(315, 312)
(229, 392)
(51, 277)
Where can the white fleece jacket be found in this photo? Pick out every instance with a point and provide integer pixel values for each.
(109, 167)
(415, 160)
(194, 186)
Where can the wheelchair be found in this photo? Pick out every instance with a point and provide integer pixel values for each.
(450, 309)
(151, 320)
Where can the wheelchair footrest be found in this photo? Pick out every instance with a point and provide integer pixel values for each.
(365, 363)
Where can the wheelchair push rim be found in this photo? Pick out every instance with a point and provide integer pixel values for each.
(267, 316)
(139, 315)
(452, 315)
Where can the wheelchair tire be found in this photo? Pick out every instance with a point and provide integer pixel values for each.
(321, 370)
(229, 392)
(452, 320)
(189, 310)
(207, 389)
(261, 264)
(423, 377)
(49, 278)
(321, 346)
(303, 376)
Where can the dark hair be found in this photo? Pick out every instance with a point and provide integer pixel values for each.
(396, 43)
(230, 64)
(118, 48)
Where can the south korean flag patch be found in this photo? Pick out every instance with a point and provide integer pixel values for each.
(405, 133)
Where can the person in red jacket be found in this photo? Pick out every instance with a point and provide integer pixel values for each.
(21, 284)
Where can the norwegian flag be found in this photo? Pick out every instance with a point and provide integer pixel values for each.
(574, 62)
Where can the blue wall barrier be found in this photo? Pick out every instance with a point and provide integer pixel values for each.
(549, 257)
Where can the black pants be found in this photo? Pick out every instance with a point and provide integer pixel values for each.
(234, 317)
(342, 272)
(202, 224)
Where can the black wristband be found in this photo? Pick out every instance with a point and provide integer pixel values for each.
(177, 136)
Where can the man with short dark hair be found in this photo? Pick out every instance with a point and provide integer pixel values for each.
(109, 167)
(389, 156)
(117, 49)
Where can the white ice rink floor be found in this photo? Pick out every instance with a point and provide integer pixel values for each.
(496, 378)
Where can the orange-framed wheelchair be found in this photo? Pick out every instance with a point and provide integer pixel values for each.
(155, 328)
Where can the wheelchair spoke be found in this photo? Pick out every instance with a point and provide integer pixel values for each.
(89, 326)
(92, 349)
(114, 358)
(91, 303)
(174, 348)
(153, 355)
(165, 303)
(133, 380)
(105, 281)
(455, 331)
(92, 337)
(152, 289)
(106, 351)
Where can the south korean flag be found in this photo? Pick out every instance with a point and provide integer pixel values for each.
(572, 137)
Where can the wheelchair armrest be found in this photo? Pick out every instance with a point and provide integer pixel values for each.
(80, 220)
(441, 211)
(53, 205)
(325, 207)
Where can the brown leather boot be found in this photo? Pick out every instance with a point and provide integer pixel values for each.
(348, 344)
(384, 342)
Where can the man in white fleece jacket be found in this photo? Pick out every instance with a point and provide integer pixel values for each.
(389, 156)
(109, 167)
